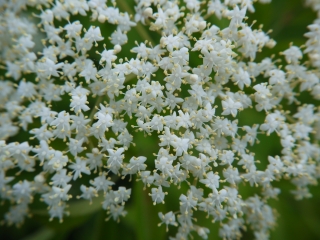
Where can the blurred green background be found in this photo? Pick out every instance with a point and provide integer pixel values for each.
(297, 219)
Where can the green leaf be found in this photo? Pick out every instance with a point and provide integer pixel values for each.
(79, 211)
(82, 207)
(143, 215)
(42, 234)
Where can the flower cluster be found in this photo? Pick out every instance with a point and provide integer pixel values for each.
(72, 104)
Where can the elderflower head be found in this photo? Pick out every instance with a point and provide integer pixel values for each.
(75, 107)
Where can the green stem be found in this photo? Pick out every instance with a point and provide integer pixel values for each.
(94, 110)
(130, 77)
(140, 28)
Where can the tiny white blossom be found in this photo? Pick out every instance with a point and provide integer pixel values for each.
(157, 195)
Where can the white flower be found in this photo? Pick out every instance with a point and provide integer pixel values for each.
(171, 98)
(61, 193)
(61, 178)
(157, 195)
(22, 191)
(211, 181)
(48, 68)
(181, 145)
(115, 159)
(58, 161)
(89, 71)
(231, 107)
(93, 34)
(241, 78)
(73, 29)
(88, 192)
(293, 54)
(78, 103)
(101, 183)
(104, 121)
(168, 219)
(42, 133)
(187, 202)
(108, 57)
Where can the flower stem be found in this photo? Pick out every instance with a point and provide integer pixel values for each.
(140, 28)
